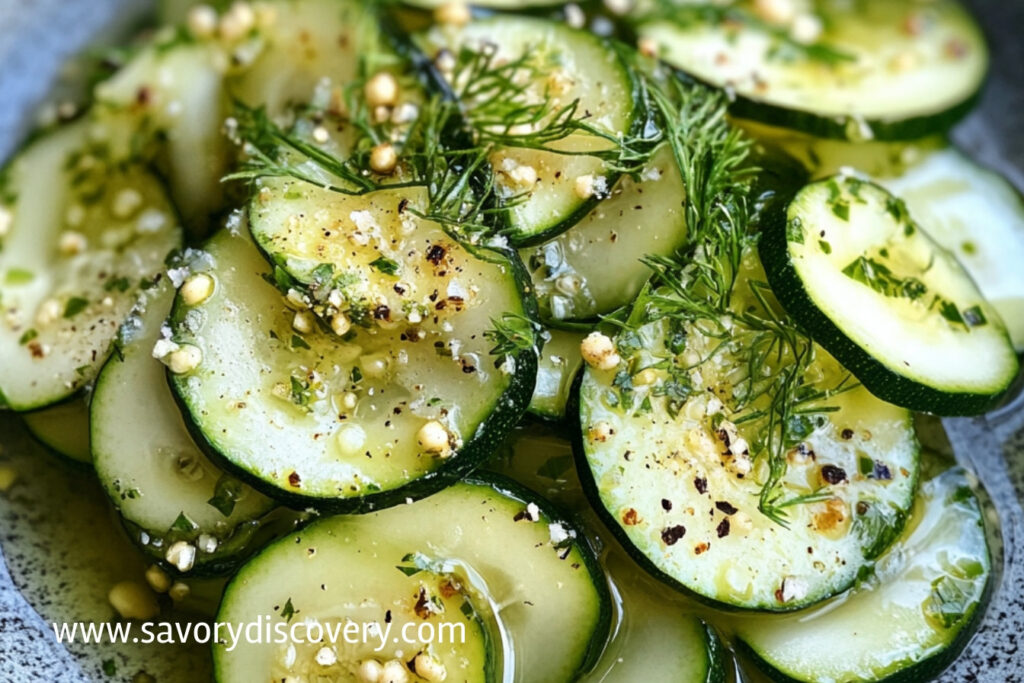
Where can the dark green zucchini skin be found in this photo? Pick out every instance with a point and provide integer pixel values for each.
(583, 543)
(488, 437)
(717, 656)
(927, 669)
(876, 377)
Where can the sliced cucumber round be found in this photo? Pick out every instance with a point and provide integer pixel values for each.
(976, 214)
(169, 100)
(677, 444)
(559, 363)
(882, 69)
(80, 235)
(550, 189)
(931, 587)
(640, 218)
(158, 479)
(508, 574)
(407, 400)
(309, 46)
(848, 262)
(63, 428)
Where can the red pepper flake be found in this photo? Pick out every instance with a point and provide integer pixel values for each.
(436, 254)
(666, 504)
(701, 484)
(672, 534)
(847, 434)
(294, 479)
(725, 507)
(833, 475)
(701, 548)
(630, 517)
(723, 528)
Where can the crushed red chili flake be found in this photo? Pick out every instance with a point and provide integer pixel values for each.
(436, 254)
(630, 517)
(723, 528)
(294, 479)
(701, 484)
(832, 474)
(725, 507)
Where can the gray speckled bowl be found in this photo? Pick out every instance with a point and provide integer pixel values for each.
(37, 36)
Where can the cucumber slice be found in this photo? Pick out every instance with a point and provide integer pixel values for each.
(882, 69)
(850, 264)
(656, 639)
(672, 448)
(512, 574)
(571, 273)
(155, 475)
(63, 428)
(931, 587)
(564, 65)
(559, 363)
(976, 214)
(315, 419)
(171, 98)
(310, 45)
(79, 236)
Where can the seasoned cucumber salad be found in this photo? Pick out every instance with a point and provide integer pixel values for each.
(522, 341)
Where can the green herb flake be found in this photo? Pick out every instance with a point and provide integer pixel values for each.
(184, 524)
(120, 284)
(17, 276)
(825, 247)
(841, 210)
(75, 306)
(299, 343)
(28, 336)
(386, 266)
(225, 495)
(288, 611)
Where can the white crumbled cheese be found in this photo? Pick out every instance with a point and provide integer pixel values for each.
(645, 377)
(196, 289)
(793, 588)
(6, 219)
(558, 533)
(587, 186)
(382, 90)
(405, 113)
(126, 203)
(182, 555)
(340, 324)
(366, 226)
(202, 21)
(289, 656)
(326, 656)
(158, 579)
(714, 406)
(133, 601)
(321, 135)
(599, 352)
(445, 62)
(297, 299)
(164, 348)
(600, 432)
(429, 669)
(178, 275)
(532, 512)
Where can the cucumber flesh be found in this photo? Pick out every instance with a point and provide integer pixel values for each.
(64, 428)
(572, 273)
(976, 214)
(306, 416)
(157, 478)
(560, 361)
(931, 587)
(879, 293)
(520, 590)
(879, 69)
(82, 236)
(564, 65)
(663, 447)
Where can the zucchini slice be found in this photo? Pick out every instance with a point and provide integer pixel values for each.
(559, 363)
(931, 587)
(850, 264)
(571, 273)
(553, 188)
(79, 237)
(676, 444)
(158, 479)
(403, 403)
(170, 98)
(976, 214)
(511, 575)
(875, 69)
(63, 428)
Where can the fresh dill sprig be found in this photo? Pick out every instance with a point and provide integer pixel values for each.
(513, 333)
